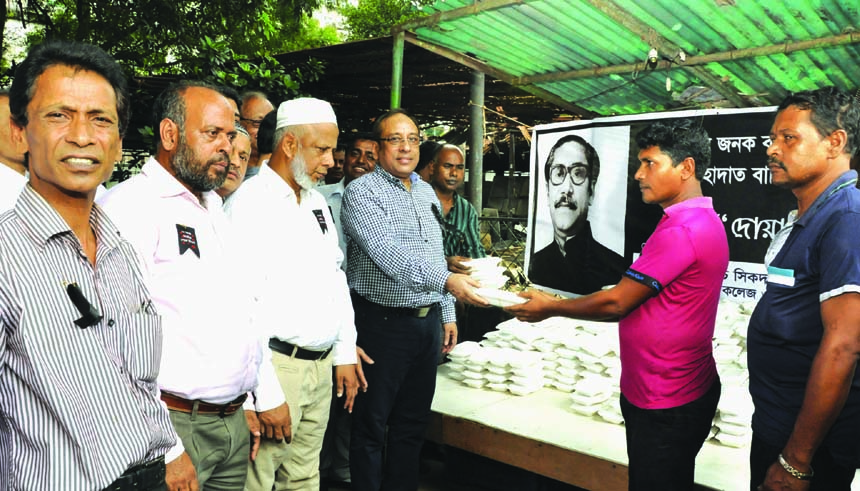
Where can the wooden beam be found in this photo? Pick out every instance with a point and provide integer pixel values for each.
(644, 31)
(476, 8)
(480, 66)
(738, 54)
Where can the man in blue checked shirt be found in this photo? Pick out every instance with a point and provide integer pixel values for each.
(401, 291)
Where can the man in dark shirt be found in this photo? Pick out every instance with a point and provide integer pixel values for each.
(804, 335)
(573, 262)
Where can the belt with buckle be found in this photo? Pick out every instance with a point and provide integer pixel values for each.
(419, 312)
(149, 475)
(290, 349)
(187, 406)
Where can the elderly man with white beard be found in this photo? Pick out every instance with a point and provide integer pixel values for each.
(304, 301)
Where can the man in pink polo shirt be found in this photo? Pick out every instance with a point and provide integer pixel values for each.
(667, 306)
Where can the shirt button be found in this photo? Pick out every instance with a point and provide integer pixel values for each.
(111, 322)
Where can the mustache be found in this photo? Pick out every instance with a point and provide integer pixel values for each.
(775, 161)
(566, 201)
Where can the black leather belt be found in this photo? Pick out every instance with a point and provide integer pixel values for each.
(419, 312)
(149, 475)
(288, 349)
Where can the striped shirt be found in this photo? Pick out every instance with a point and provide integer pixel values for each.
(77, 406)
(461, 230)
(394, 243)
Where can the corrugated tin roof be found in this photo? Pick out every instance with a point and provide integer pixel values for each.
(589, 55)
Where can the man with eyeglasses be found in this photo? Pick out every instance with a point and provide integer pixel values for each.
(255, 107)
(402, 292)
(574, 261)
(666, 307)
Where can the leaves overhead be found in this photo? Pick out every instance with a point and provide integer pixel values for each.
(375, 18)
(157, 37)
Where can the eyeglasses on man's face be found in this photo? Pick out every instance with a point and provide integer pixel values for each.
(254, 122)
(578, 174)
(398, 140)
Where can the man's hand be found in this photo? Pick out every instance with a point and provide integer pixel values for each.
(449, 337)
(463, 288)
(254, 428)
(777, 479)
(346, 380)
(276, 424)
(536, 309)
(455, 264)
(181, 475)
(359, 371)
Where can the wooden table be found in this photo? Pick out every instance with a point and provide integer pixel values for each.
(541, 434)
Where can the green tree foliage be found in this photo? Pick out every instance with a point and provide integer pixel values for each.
(162, 37)
(374, 18)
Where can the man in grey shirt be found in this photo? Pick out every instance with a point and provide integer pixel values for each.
(80, 344)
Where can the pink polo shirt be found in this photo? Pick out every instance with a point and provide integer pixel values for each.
(666, 344)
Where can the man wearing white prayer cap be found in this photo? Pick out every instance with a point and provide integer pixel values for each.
(304, 303)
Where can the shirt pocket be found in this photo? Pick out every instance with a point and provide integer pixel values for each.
(141, 346)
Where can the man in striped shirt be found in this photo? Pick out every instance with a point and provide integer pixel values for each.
(80, 344)
(458, 217)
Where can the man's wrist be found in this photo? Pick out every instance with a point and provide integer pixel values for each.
(803, 476)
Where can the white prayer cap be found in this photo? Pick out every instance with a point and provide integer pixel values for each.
(304, 110)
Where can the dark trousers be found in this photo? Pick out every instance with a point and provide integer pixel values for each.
(829, 476)
(662, 444)
(400, 390)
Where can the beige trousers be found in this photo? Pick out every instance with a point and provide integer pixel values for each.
(307, 387)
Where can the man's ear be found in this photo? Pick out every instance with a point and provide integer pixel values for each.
(837, 141)
(168, 133)
(688, 168)
(118, 157)
(289, 145)
(19, 137)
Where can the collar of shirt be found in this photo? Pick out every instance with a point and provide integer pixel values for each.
(43, 222)
(847, 179)
(698, 202)
(168, 185)
(413, 177)
(11, 184)
(329, 190)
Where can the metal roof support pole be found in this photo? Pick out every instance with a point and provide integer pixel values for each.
(476, 140)
(397, 69)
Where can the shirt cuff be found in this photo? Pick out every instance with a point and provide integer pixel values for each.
(449, 314)
(175, 452)
(269, 393)
(437, 279)
(344, 353)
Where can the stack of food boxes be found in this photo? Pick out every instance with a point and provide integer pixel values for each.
(582, 358)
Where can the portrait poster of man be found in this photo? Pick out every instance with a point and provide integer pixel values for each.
(579, 204)
(581, 226)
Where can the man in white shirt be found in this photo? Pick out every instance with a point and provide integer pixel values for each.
(361, 151)
(12, 166)
(212, 354)
(302, 293)
(238, 164)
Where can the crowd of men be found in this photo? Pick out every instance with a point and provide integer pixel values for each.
(221, 319)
